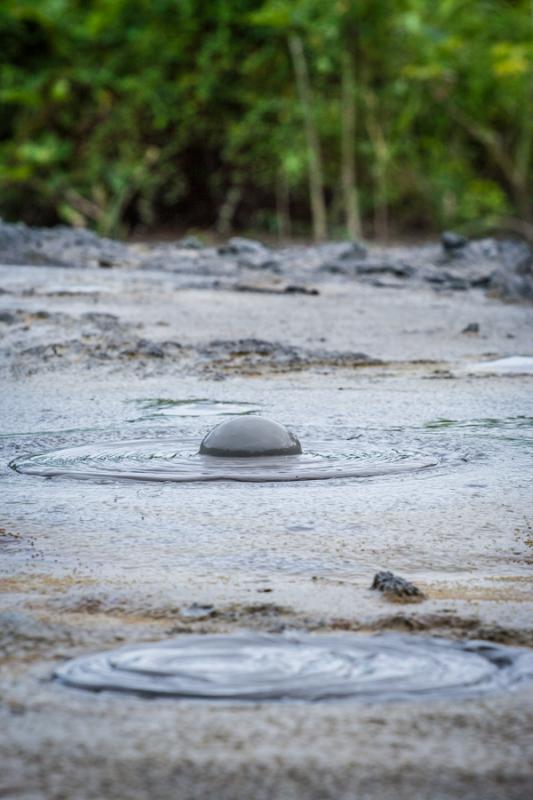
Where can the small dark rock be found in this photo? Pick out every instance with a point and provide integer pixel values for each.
(472, 327)
(448, 281)
(400, 269)
(239, 246)
(293, 289)
(354, 250)
(363, 266)
(152, 349)
(452, 242)
(265, 289)
(395, 587)
(482, 281)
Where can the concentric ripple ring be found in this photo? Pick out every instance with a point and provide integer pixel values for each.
(301, 667)
(179, 461)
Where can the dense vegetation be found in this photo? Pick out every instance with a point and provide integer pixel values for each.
(275, 115)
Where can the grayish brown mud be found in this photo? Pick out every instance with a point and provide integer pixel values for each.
(102, 345)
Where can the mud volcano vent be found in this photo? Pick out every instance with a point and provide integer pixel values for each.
(246, 449)
(301, 667)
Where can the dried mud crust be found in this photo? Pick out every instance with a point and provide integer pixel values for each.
(503, 266)
(36, 340)
(252, 356)
(94, 338)
(48, 625)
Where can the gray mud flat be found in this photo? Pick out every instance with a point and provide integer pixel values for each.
(405, 374)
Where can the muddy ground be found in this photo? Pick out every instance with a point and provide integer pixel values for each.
(404, 348)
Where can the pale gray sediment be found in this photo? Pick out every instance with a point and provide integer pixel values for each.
(104, 345)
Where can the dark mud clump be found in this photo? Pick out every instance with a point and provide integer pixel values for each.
(504, 267)
(514, 277)
(472, 327)
(457, 264)
(396, 588)
(97, 349)
(276, 289)
(61, 246)
(358, 267)
(249, 356)
(44, 339)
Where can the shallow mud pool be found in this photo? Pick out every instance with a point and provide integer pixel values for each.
(301, 667)
(417, 458)
(165, 460)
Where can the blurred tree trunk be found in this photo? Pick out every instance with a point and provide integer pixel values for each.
(283, 208)
(348, 165)
(316, 179)
(381, 158)
(525, 147)
(226, 212)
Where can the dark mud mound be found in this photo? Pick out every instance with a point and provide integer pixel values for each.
(503, 266)
(250, 356)
(60, 246)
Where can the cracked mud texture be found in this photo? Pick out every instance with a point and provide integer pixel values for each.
(103, 341)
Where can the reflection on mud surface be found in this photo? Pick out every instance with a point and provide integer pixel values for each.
(202, 407)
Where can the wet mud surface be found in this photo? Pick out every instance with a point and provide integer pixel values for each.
(119, 359)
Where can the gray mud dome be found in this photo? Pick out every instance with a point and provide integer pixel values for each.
(406, 374)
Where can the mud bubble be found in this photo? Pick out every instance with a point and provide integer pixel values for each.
(250, 436)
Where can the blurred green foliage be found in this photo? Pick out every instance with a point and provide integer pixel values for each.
(194, 113)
